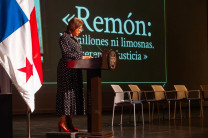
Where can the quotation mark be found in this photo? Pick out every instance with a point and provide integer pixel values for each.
(145, 56)
(67, 18)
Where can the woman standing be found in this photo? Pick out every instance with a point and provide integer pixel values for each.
(69, 98)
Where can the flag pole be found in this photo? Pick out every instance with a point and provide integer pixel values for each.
(28, 121)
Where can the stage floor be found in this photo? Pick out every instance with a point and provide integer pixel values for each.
(163, 128)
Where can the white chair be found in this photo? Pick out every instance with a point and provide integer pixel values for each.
(119, 100)
(162, 94)
(159, 97)
(204, 97)
(190, 95)
(138, 95)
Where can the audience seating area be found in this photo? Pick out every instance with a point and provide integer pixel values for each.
(160, 96)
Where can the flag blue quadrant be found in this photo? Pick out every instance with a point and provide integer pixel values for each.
(11, 18)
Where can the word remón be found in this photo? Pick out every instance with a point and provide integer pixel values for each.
(118, 26)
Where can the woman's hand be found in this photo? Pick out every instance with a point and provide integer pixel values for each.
(86, 57)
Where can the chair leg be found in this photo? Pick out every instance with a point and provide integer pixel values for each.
(121, 115)
(142, 114)
(130, 114)
(175, 110)
(113, 115)
(189, 109)
(149, 111)
(169, 109)
(153, 108)
(181, 110)
(134, 116)
(158, 110)
(202, 110)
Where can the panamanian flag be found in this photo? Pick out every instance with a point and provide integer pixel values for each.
(19, 47)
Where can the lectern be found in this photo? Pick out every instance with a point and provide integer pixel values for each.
(108, 61)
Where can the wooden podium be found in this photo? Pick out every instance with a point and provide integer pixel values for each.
(108, 61)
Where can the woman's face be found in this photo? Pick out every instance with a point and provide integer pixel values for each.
(77, 31)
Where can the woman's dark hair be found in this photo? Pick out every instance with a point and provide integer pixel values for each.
(73, 24)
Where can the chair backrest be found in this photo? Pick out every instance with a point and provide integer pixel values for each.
(159, 92)
(119, 95)
(181, 91)
(204, 89)
(137, 93)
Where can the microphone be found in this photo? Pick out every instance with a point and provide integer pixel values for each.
(99, 48)
(100, 55)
